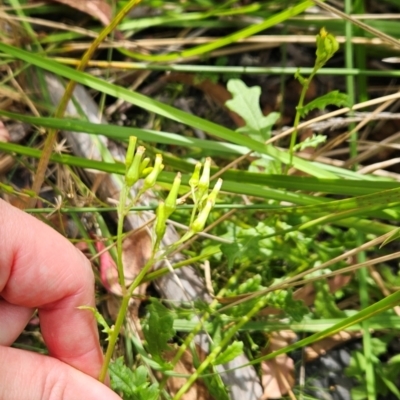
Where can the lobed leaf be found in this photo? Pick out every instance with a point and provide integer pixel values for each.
(246, 103)
(232, 351)
(334, 98)
(158, 329)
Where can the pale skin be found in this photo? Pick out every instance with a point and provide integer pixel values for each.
(39, 269)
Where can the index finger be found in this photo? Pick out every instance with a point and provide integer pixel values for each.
(40, 269)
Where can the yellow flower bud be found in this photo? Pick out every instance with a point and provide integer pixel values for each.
(327, 46)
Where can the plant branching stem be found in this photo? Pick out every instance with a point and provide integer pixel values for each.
(224, 343)
(296, 123)
(126, 293)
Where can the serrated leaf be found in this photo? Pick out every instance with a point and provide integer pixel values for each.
(122, 377)
(334, 98)
(147, 393)
(231, 251)
(246, 102)
(158, 365)
(232, 351)
(215, 385)
(313, 141)
(325, 304)
(133, 385)
(158, 329)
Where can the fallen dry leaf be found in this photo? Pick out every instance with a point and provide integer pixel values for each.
(108, 269)
(321, 347)
(307, 293)
(98, 9)
(136, 251)
(278, 374)
(4, 134)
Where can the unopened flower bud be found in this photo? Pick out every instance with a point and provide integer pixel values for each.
(151, 178)
(204, 181)
(199, 223)
(327, 46)
(213, 195)
(161, 224)
(170, 202)
(143, 167)
(194, 180)
(133, 174)
(131, 151)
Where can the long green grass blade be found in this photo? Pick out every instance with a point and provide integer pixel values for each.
(167, 111)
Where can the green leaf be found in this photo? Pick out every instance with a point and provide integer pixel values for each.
(251, 285)
(158, 329)
(122, 132)
(122, 377)
(313, 141)
(391, 386)
(231, 251)
(133, 385)
(325, 304)
(334, 98)
(395, 234)
(215, 385)
(165, 110)
(246, 103)
(232, 351)
(283, 299)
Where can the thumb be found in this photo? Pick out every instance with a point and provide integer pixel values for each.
(30, 376)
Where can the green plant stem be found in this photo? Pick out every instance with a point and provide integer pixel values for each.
(225, 342)
(205, 69)
(122, 212)
(200, 325)
(296, 123)
(112, 340)
(188, 341)
(362, 274)
(188, 261)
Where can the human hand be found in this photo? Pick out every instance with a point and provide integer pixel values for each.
(40, 269)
